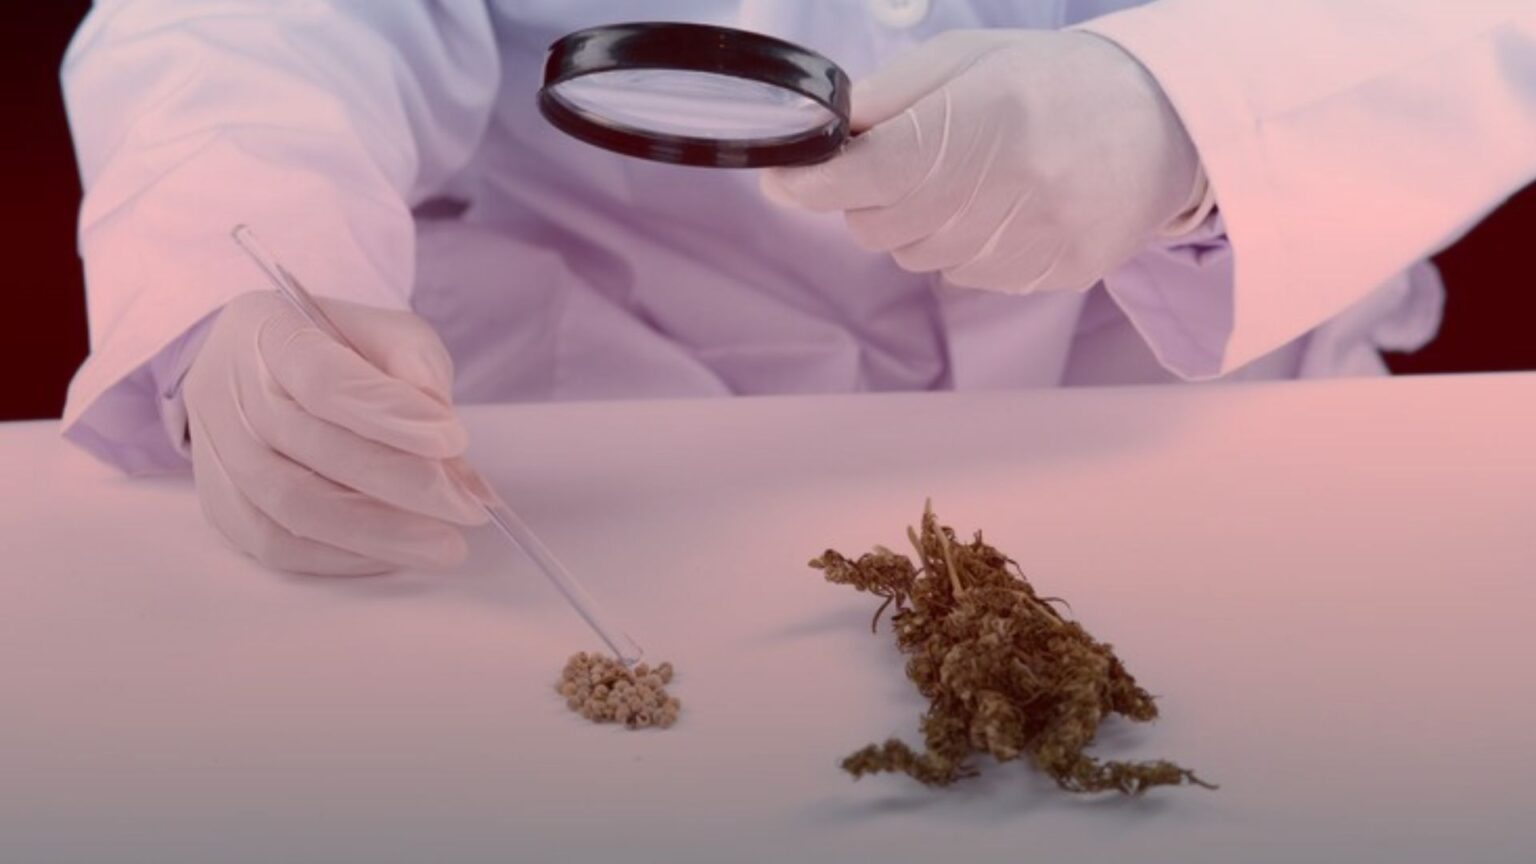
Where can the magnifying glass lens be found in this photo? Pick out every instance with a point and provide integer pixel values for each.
(694, 94)
(693, 104)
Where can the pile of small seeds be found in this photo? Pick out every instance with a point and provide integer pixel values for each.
(603, 690)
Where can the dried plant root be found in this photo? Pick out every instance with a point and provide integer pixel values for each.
(1005, 674)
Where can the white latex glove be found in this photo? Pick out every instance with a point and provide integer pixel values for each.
(1012, 160)
(313, 459)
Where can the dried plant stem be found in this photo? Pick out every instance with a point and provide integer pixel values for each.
(949, 562)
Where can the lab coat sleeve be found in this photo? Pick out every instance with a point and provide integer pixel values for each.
(1344, 140)
(317, 123)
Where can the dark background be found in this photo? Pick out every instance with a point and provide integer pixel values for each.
(43, 337)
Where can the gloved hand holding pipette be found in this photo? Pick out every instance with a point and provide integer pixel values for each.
(347, 457)
(312, 458)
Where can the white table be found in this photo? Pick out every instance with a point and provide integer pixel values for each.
(1331, 586)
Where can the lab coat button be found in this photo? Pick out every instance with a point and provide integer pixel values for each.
(899, 14)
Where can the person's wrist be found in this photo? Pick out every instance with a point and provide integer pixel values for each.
(168, 370)
(1197, 207)
(1180, 194)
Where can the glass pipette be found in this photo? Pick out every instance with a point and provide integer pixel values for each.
(501, 515)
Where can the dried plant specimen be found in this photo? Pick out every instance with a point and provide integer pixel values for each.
(603, 690)
(1004, 672)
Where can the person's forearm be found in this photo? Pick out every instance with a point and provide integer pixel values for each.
(1344, 139)
(319, 123)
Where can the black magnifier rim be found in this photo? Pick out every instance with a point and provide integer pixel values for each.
(696, 48)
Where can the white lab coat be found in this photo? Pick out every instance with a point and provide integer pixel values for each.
(1345, 141)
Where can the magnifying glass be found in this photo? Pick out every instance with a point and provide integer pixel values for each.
(695, 94)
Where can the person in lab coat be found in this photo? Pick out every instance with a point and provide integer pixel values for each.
(1050, 192)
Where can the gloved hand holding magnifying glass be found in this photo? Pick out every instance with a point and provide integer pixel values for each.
(1009, 160)
(1014, 161)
